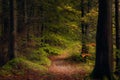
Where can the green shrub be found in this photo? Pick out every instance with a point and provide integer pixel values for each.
(55, 40)
(75, 57)
(40, 56)
(19, 65)
(52, 50)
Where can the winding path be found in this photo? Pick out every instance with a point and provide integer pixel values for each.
(60, 69)
(66, 70)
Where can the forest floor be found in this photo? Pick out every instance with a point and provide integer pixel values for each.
(60, 69)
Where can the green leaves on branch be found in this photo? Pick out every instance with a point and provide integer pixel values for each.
(90, 17)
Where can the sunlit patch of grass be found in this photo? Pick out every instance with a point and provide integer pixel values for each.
(33, 66)
(75, 53)
(40, 57)
(74, 47)
(75, 57)
(51, 50)
(86, 67)
(19, 65)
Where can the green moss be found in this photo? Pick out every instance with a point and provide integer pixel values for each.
(40, 57)
(52, 50)
(18, 65)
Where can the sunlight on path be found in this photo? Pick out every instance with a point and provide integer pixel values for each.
(62, 66)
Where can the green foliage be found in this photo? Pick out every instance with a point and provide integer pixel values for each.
(118, 53)
(39, 56)
(76, 57)
(19, 65)
(74, 52)
(90, 19)
(55, 40)
(91, 49)
(52, 50)
(51, 45)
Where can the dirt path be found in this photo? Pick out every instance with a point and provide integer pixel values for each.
(66, 69)
(60, 69)
(62, 66)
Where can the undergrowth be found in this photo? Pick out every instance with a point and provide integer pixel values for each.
(35, 54)
(75, 54)
(19, 65)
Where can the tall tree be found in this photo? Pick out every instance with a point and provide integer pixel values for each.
(103, 65)
(20, 15)
(12, 32)
(29, 13)
(4, 32)
(5, 16)
(117, 21)
(84, 27)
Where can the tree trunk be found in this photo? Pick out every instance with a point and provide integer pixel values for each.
(84, 31)
(20, 15)
(26, 21)
(4, 33)
(13, 26)
(5, 17)
(103, 65)
(117, 21)
(83, 27)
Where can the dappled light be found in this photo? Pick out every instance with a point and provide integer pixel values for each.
(59, 40)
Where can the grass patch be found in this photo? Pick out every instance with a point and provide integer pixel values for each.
(75, 53)
(19, 65)
(52, 50)
(75, 57)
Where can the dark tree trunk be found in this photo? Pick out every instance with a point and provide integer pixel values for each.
(87, 28)
(20, 15)
(4, 34)
(42, 20)
(117, 20)
(83, 28)
(26, 12)
(28, 34)
(13, 26)
(29, 12)
(5, 17)
(103, 65)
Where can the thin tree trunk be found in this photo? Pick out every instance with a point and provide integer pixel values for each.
(20, 15)
(26, 20)
(83, 26)
(84, 31)
(117, 21)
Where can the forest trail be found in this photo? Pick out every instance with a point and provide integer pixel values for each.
(63, 69)
(60, 69)
(62, 66)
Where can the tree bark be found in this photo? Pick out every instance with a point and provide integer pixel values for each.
(4, 33)
(13, 26)
(83, 28)
(104, 51)
(20, 15)
(117, 22)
